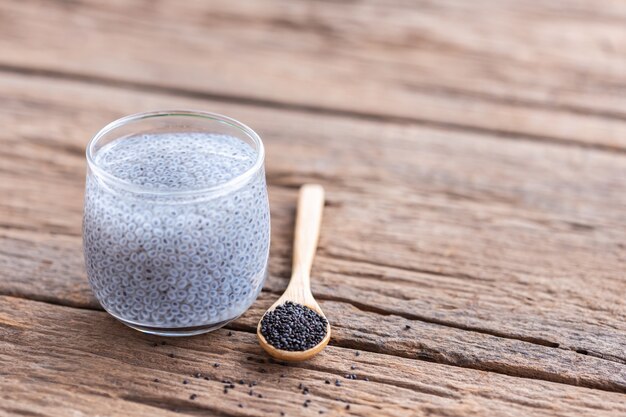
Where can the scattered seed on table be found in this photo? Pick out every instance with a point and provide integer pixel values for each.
(337, 382)
(357, 353)
(321, 412)
(306, 404)
(305, 391)
(185, 382)
(225, 390)
(293, 327)
(249, 358)
(193, 396)
(366, 379)
(230, 334)
(407, 327)
(197, 375)
(263, 370)
(347, 406)
(260, 395)
(282, 413)
(207, 378)
(327, 382)
(353, 367)
(251, 393)
(216, 365)
(282, 375)
(240, 405)
(171, 355)
(156, 379)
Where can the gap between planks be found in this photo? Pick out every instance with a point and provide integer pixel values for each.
(333, 112)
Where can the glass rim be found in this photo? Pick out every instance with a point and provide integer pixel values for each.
(233, 183)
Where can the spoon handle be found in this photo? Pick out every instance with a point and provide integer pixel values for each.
(308, 221)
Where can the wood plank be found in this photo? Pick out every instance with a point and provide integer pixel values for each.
(103, 362)
(508, 251)
(352, 327)
(546, 71)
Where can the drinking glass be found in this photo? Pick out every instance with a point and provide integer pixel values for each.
(165, 252)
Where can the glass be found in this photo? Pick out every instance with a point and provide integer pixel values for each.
(176, 226)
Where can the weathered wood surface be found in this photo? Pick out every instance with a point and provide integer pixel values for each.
(457, 204)
(544, 70)
(54, 355)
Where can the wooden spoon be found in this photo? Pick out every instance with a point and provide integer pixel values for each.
(308, 221)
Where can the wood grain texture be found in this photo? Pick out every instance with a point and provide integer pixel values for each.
(100, 364)
(490, 270)
(472, 250)
(552, 71)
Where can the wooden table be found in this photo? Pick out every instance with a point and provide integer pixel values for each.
(473, 253)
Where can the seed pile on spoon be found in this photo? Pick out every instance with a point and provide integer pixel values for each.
(293, 327)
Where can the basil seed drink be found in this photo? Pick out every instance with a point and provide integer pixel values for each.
(176, 230)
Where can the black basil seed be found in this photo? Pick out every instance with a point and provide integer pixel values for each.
(293, 327)
(193, 396)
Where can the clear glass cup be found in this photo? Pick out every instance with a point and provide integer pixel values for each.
(176, 226)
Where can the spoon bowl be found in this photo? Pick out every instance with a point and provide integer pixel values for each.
(308, 221)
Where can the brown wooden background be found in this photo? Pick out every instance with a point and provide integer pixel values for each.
(474, 156)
